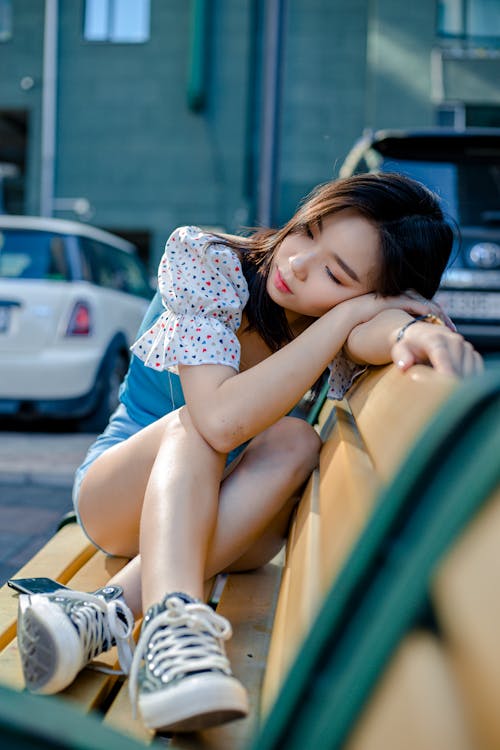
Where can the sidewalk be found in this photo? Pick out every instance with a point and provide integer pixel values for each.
(36, 476)
(45, 458)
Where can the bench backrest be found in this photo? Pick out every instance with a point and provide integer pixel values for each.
(397, 590)
(365, 439)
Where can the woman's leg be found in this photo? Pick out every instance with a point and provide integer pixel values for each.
(252, 510)
(189, 525)
(178, 514)
(180, 674)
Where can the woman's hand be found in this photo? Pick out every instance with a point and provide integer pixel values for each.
(447, 351)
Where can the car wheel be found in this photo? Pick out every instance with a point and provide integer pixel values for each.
(108, 387)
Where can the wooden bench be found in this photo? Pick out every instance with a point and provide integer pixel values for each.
(366, 438)
(386, 631)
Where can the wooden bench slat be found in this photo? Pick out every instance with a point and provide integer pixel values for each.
(407, 401)
(353, 467)
(348, 488)
(467, 602)
(415, 705)
(273, 673)
(297, 608)
(96, 572)
(60, 558)
(119, 715)
(331, 511)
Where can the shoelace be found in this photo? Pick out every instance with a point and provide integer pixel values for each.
(114, 623)
(183, 647)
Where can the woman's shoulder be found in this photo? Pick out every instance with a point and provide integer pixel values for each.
(197, 252)
(201, 241)
(188, 233)
(196, 237)
(198, 264)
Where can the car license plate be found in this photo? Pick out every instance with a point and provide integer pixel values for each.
(4, 319)
(470, 305)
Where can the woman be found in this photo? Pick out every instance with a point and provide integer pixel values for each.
(246, 326)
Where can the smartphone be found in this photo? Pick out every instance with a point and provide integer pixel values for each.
(35, 585)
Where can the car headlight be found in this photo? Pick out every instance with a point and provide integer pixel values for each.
(485, 255)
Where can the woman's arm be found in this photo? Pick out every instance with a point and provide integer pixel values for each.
(228, 408)
(374, 342)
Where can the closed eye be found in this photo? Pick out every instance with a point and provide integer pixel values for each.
(332, 276)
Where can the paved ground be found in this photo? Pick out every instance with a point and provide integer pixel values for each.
(36, 475)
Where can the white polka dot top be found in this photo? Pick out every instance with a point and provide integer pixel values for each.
(204, 294)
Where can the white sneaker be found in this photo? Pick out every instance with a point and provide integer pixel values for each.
(180, 675)
(60, 633)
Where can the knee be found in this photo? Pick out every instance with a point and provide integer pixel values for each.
(295, 443)
(301, 442)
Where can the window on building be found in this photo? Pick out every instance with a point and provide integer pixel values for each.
(451, 115)
(125, 21)
(484, 116)
(5, 20)
(469, 19)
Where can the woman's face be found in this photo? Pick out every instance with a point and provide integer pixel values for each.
(332, 261)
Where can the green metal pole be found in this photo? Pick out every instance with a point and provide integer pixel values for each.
(198, 54)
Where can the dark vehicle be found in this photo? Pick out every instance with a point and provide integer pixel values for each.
(463, 168)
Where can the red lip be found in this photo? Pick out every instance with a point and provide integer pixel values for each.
(280, 283)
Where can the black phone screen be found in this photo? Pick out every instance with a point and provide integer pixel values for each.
(35, 585)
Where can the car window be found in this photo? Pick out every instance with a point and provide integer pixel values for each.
(479, 193)
(110, 267)
(439, 177)
(470, 192)
(128, 273)
(31, 254)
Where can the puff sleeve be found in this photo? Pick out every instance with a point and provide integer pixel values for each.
(204, 293)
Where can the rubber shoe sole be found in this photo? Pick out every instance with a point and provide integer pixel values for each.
(49, 646)
(194, 703)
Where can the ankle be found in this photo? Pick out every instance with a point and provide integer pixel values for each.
(186, 594)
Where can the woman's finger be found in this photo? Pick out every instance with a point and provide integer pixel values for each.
(402, 356)
(444, 356)
(472, 360)
(478, 363)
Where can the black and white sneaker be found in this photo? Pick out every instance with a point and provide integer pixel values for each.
(59, 634)
(180, 676)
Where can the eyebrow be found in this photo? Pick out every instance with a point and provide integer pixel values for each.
(354, 276)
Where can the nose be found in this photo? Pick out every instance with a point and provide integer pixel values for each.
(298, 264)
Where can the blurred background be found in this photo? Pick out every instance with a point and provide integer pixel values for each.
(141, 115)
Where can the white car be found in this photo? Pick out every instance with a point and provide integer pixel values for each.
(71, 301)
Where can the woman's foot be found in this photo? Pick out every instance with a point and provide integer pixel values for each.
(60, 633)
(180, 676)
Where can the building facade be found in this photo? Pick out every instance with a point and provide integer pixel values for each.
(141, 115)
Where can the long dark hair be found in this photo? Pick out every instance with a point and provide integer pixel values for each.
(415, 242)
